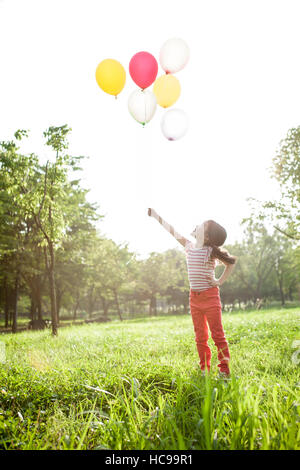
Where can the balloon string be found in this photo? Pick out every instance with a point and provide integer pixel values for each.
(145, 108)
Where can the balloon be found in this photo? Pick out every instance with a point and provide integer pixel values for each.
(142, 105)
(111, 76)
(174, 124)
(143, 69)
(174, 55)
(167, 90)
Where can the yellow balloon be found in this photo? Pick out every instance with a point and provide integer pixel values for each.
(111, 76)
(167, 90)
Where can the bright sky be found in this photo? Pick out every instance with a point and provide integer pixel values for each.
(240, 90)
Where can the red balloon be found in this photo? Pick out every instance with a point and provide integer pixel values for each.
(143, 69)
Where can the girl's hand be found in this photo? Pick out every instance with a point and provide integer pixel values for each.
(151, 212)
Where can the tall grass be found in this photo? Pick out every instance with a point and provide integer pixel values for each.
(136, 385)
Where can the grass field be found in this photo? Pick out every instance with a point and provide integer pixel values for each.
(136, 385)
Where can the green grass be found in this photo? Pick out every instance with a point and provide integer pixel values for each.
(136, 385)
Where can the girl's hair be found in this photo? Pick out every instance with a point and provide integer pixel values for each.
(215, 235)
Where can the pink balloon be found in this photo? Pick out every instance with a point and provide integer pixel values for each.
(143, 69)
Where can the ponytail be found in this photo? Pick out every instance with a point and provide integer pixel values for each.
(215, 235)
(222, 255)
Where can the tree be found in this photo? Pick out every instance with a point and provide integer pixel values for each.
(80, 235)
(51, 207)
(286, 170)
(15, 168)
(259, 259)
(177, 291)
(265, 267)
(111, 270)
(38, 206)
(153, 279)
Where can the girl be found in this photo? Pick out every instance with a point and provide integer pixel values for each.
(205, 305)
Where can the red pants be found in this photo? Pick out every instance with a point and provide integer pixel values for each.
(206, 309)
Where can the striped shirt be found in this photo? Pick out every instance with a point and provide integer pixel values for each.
(199, 266)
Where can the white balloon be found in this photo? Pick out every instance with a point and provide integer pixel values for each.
(174, 124)
(142, 105)
(174, 55)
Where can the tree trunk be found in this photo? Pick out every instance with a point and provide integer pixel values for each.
(280, 285)
(53, 299)
(104, 306)
(15, 309)
(51, 275)
(152, 306)
(281, 293)
(117, 304)
(39, 300)
(91, 302)
(6, 302)
(32, 308)
(58, 303)
(38, 288)
(75, 309)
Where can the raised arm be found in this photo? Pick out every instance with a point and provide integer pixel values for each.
(183, 241)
